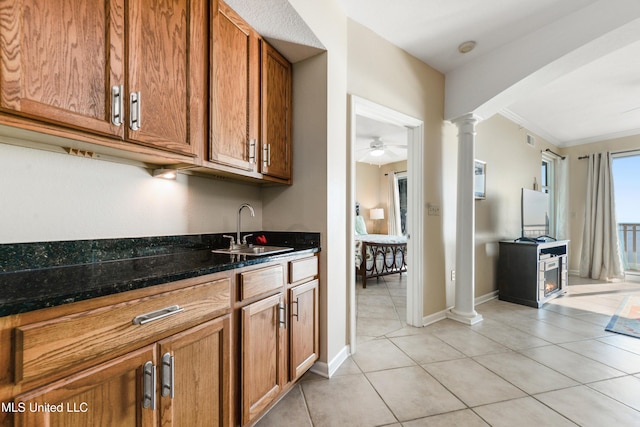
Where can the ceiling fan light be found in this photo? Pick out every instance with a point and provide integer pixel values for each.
(377, 152)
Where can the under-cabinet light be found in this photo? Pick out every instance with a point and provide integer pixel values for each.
(165, 173)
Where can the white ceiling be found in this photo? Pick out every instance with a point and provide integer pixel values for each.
(394, 139)
(570, 69)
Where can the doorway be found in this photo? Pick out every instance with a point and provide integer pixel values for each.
(360, 108)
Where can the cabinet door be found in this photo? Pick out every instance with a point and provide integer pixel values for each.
(195, 376)
(60, 60)
(110, 394)
(262, 354)
(235, 95)
(303, 328)
(167, 74)
(276, 114)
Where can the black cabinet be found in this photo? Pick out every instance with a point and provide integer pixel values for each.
(532, 273)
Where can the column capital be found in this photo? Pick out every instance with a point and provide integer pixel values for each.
(466, 120)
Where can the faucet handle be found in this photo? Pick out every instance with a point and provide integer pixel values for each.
(232, 240)
(244, 238)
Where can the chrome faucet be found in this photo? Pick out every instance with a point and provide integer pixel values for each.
(242, 206)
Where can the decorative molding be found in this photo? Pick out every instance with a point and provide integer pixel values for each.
(464, 318)
(530, 127)
(416, 208)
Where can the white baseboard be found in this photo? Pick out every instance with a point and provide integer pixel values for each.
(327, 370)
(486, 297)
(441, 315)
(433, 318)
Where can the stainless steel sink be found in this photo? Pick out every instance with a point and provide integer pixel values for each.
(253, 250)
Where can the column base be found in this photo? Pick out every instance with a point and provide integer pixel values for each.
(466, 318)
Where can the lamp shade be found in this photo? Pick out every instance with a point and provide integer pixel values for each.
(376, 213)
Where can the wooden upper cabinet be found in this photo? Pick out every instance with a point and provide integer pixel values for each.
(276, 114)
(60, 59)
(167, 57)
(64, 62)
(235, 95)
(250, 100)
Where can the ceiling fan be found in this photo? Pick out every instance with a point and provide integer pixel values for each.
(378, 148)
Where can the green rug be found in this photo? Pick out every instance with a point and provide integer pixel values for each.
(627, 319)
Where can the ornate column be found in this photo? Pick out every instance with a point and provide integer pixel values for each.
(464, 308)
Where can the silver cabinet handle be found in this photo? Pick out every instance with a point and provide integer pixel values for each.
(297, 303)
(167, 375)
(157, 315)
(283, 315)
(149, 386)
(117, 104)
(135, 111)
(252, 151)
(267, 155)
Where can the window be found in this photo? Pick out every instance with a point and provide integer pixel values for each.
(402, 190)
(626, 173)
(547, 185)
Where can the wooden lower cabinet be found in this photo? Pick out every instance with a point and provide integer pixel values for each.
(209, 351)
(262, 355)
(193, 369)
(181, 381)
(279, 338)
(303, 328)
(107, 395)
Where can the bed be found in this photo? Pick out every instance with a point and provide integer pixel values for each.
(378, 254)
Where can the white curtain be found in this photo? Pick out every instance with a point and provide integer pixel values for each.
(395, 225)
(600, 258)
(562, 202)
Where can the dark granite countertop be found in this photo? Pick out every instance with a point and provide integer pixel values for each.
(48, 280)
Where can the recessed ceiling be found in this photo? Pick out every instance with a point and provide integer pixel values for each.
(595, 100)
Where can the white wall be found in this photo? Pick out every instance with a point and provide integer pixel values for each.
(47, 196)
(383, 73)
(511, 165)
(319, 190)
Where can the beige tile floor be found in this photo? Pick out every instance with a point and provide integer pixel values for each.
(520, 366)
